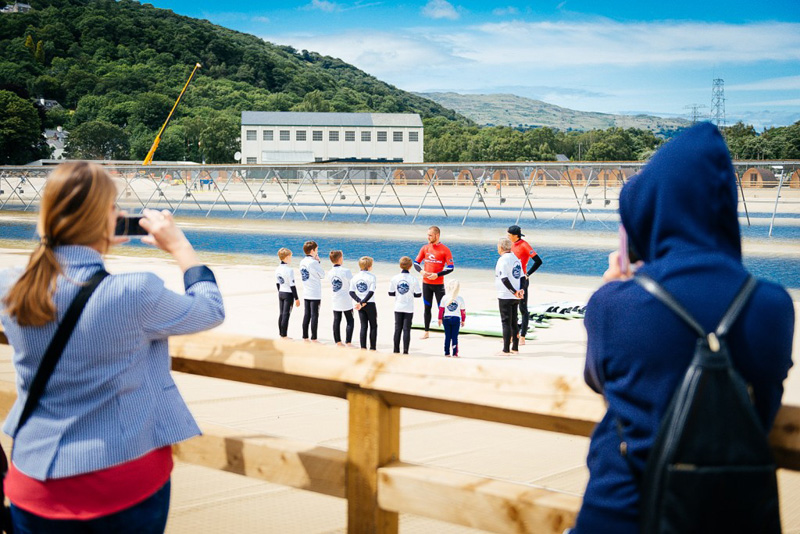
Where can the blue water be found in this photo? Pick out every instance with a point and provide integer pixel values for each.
(559, 260)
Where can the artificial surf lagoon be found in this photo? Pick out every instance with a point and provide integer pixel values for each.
(580, 195)
(568, 211)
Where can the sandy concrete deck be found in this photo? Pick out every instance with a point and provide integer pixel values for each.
(205, 500)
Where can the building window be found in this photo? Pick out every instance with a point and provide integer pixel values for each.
(284, 135)
(381, 137)
(350, 136)
(316, 135)
(268, 135)
(318, 159)
(252, 161)
(300, 135)
(413, 137)
(333, 136)
(366, 136)
(251, 135)
(397, 137)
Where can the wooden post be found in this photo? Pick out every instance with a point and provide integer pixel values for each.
(373, 441)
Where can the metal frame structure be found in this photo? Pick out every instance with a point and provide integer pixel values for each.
(321, 189)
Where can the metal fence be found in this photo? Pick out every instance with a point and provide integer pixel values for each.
(459, 191)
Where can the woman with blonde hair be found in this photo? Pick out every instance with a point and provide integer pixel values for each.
(92, 453)
(452, 315)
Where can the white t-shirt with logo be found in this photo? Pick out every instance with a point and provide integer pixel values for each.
(311, 273)
(454, 308)
(362, 283)
(508, 266)
(405, 287)
(284, 275)
(339, 278)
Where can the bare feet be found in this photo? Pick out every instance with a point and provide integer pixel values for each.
(503, 353)
(514, 352)
(350, 345)
(425, 335)
(339, 344)
(521, 340)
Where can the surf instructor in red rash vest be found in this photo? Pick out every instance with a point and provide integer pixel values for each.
(434, 261)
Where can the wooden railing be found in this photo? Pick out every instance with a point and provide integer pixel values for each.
(370, 474)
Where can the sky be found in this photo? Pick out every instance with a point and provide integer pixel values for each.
(634, 56)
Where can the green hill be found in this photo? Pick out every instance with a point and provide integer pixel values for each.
(516, 111)
(122, 64)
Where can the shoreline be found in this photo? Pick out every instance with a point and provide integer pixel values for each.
(598, 240)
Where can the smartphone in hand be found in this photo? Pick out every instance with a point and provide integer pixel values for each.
(128, 226)
(624, 257)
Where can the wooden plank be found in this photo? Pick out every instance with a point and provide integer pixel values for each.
(505, 393)
(785, 437)
(8, 395)
(475, 501)
(289, 463)
(373, 441)
(508, 393)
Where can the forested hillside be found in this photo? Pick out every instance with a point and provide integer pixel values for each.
(116, 68)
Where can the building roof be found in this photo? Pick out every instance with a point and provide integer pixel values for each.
(292, 118)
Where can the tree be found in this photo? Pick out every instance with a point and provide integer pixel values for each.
(97, 140)
(219, 140)
(39, 54)
(21, 138)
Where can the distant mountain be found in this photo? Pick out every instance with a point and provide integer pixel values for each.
(513, 110)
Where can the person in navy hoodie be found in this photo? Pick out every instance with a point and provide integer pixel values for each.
(680, 214)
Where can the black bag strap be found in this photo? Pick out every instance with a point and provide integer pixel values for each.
(57, 344)
(730, 316)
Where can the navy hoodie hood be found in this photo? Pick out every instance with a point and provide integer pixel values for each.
(684, 200)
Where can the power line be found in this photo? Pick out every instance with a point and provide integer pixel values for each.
(695, 111)
(718, 102)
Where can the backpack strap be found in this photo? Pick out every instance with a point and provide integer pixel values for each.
(57, 345)
(736, 306)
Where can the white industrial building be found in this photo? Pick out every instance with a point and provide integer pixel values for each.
(270, 137)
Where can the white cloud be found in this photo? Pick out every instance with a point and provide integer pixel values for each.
(440, 9)
(503, 11)
(614, 43)
(655, 66)
(323, 5)
(786, 83)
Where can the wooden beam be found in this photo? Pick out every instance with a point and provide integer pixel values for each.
(288, 463)
(506, 392)
(785, 437)
(475, 501)
(373, 441)
(509, 392)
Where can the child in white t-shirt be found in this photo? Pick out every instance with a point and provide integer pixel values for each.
(452, 315)
(339, 278)
(404, 287)
(362, 291)
(287, 290)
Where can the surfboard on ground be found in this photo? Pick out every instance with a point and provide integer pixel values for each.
(481, 324)
(560, 310)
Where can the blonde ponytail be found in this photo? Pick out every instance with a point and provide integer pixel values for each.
(453, 288)
(74, 211)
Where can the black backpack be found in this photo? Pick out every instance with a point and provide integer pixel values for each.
(711, 469)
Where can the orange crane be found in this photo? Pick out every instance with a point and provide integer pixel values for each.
(149, 158)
